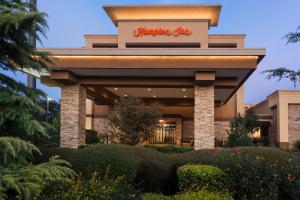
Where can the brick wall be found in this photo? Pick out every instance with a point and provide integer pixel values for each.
(220, 129)
(100, 124)
(204, 117)
(294, 124)
(73, 112)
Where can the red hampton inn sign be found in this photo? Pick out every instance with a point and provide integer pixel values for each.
(141, 31)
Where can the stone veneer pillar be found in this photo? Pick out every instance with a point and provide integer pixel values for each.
(204, 117)
(73, 111)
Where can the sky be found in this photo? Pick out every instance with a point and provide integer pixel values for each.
(265, 23)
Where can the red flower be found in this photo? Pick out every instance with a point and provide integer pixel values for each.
(214, 150)
(236, 150)
(290, 177)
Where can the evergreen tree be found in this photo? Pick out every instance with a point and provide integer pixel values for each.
(19, 114)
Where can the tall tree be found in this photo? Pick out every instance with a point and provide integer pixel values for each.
(282, 72)
(19, 114)
(132, 120)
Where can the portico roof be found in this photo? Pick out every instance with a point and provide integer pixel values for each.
(156, 68)
(165, 12)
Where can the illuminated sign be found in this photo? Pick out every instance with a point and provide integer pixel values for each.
(140, 32)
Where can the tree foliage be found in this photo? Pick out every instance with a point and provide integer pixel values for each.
(131, 120)
(293, 37)
(282, 72)
(17, 24)
(19, 177)
(241, 129)
(20, 115)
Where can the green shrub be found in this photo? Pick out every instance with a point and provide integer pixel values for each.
(147, 169)
(91, 137)
(200, 195)
(170, 148)
(297, 144)
(197, 177)
(251, 172)
(255, 172)
(241, 129)
(96, 188)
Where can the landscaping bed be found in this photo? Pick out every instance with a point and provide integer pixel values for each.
(251, 172)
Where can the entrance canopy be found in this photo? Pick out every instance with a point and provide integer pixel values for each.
(135, 69)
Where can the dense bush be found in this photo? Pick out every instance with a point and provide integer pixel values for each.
(91, 137)
(241, 129)
(200, 195)
(197, 177)
(170, 148)
(297, 144)
(146, 168)
(253, 172)
(96, 188)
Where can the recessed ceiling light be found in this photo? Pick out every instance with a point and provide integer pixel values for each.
(183, 89)
(125, 95)
(149, 89)
(115, 89)
(154, 96)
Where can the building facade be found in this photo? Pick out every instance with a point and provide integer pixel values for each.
(161, 53)
(280, 113)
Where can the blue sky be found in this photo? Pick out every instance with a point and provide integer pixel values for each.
(265, 22)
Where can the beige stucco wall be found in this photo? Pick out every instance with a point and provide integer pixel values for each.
(199, 32)
(232, 107)
(277, 104)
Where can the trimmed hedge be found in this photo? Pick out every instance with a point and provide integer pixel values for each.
(253, 172)
(170, 148)
(145, 168)
(197, 177)
(200, 195)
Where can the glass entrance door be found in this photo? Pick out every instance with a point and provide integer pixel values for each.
(164, 133)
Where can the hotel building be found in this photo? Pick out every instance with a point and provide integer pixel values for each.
(161, 53)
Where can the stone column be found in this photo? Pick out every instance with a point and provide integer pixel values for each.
(204, 117)
(178, 135)
(73, 111)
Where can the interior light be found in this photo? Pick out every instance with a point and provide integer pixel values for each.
(183, 89)
(154, 96)
(115, 89)
(185, 96)
(125, 95)
(149, 89)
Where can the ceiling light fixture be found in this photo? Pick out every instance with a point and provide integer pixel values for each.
(154, 96)
(149, 89)
(183, 89)
(185, 96)
(125, 95)
(115, 89)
